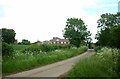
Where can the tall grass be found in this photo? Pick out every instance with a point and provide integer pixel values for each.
(100, 65)
(22, 61)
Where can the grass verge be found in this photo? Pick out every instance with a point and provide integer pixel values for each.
(100, 65)
(25, 62)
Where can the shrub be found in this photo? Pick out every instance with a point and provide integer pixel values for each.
(6, 49)
(97, 48)
(32, 49)
(118, 64)
(35, 49)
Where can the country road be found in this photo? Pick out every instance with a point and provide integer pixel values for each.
(55, 69)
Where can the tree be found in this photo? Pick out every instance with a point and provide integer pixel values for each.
(105, 24)
(25, 42)
(109, 34)
(76, 31)
(107, 21)
(115, 37)
(8, 35)
(103, 37)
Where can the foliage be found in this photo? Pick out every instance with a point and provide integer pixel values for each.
(108, 31)
(114, 54)
(100, 65)
(6, 49)
(97, 48)
(118, 64)
(35, 49)
(76, 31)
(19, 47)
(25, 42)
(107, 21)
(21, 61)
(103, 37)
(115, 37)
(8, 35)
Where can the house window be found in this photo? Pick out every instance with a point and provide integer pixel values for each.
(64, 42)
(61, 42)
(54, 42)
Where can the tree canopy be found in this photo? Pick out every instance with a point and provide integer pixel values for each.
(76, 31)
(25, 42)
(108, 30)
(8, 35)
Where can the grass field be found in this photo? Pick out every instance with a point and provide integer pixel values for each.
(100, 65)
(19, 47)
(22, 61)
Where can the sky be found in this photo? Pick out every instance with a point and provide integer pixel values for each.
(44, 19)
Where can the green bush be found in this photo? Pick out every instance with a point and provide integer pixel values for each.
(6, 49)
(19, 47)
(118, 63)
(35, 49)
(32, 49)
(97, 48)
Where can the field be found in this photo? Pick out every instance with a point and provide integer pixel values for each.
(19, 47)
(102, 64)
(33, 57)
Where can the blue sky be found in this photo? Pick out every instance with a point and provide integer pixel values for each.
(43, 19)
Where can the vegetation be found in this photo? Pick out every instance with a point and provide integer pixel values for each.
(23, 61)
(45, 48)
(76, 31)
(19, 47)
(108, 33)
(106, 63)
(103, 64)
(6, 49)
(27, 56)
(25, 42)
(8, 35)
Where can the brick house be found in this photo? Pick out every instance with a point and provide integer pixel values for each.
(57, 40)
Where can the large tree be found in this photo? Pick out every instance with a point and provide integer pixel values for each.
(115, 37)
(76, 31)
(105, 24)
(107, 21)
(8, 35)
(109, 33)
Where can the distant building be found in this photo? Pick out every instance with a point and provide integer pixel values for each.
(57, 40)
